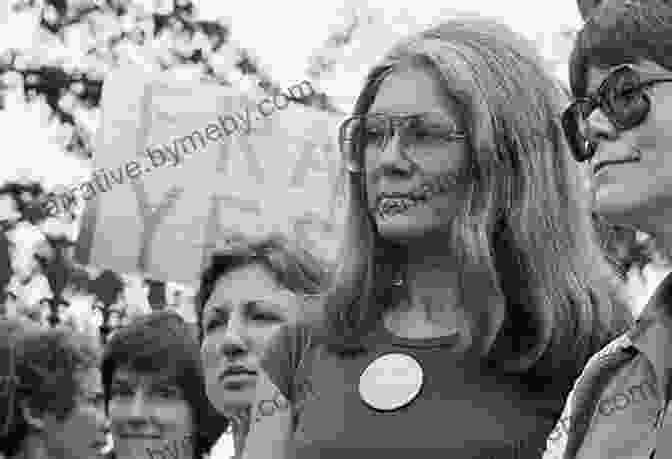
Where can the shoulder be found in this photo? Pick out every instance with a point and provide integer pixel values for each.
(615, 347)
(597, 373)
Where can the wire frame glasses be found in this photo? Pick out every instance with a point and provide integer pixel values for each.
(419, 135)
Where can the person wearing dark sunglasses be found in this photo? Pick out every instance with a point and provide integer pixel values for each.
(469, 292)
(620, 124)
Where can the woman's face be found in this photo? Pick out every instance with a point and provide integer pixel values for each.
(636, 189)
(395, 177)
(245, 309)
(81, 435)
(149, 416)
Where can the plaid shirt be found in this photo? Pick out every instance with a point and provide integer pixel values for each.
(619, 406)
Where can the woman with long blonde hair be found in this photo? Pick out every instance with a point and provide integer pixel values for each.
(470, 290)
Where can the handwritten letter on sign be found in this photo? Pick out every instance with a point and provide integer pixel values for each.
(187, 175)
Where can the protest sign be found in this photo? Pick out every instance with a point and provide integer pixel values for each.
(189, 165)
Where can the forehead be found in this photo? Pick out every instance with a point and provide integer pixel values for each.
(137, 378)
(413, 90)
(250, 282)
(596, 76)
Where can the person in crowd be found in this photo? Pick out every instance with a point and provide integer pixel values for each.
(246, 293)
(620, 122)
(155, 391)
(80, 314)
(51, 397)
(471, 288)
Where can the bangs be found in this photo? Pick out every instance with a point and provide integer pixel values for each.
(621, 32)
(162, 361)
(158, 344)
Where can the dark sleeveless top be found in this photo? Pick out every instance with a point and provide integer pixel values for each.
(465, 409)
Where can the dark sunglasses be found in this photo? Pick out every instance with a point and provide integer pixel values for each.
(622, 99)
(419, 134)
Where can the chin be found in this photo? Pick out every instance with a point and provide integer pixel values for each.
(622, 205)
(227, 402)
(404, 229)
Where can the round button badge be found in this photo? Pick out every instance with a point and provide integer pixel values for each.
(391, 382)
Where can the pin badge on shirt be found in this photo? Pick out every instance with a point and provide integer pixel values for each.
(391, 382)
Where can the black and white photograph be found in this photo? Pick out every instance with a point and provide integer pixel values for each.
(353, 229)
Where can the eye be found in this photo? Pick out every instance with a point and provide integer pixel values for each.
(97, 399)
(213, 324)
(215, 319)
(628, 92)
(167, 391)
(265, 317)
(374, 135)
(263, 312)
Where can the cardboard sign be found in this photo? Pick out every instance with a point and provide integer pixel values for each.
(186, 166)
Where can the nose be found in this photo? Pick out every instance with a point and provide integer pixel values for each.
(101, 420)
(233, 343)
(392, 160)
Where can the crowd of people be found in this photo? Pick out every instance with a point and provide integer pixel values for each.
(478, 306)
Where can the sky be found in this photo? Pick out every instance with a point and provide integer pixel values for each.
(285, 33)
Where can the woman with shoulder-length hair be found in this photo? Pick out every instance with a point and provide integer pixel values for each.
(155, 390)
(470, 290)
(247, 292)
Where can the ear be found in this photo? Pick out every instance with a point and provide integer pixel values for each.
(586, 7)
(32, 418)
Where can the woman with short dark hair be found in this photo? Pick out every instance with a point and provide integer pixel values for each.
(620, 124)
(51, 398)
(155, 390)
(246, 293)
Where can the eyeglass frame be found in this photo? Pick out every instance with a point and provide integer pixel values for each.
(598, 100)
(390, 130)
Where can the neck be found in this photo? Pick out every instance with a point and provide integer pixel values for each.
(239, 428)
(432, 283)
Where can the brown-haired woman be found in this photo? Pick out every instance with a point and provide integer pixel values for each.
(247, 292)
(470, 290)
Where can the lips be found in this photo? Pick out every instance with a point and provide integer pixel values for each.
(612, 162)
(237, 370)
(388, 204)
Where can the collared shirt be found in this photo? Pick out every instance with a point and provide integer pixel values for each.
(632, 418)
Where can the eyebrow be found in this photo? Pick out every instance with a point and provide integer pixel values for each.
(214, 310)
(221, 308)
(153, 381)
(419, 114)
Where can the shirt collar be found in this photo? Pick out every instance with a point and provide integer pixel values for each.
(652, 332)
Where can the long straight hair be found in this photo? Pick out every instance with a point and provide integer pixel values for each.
(523, 235)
